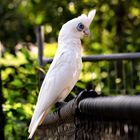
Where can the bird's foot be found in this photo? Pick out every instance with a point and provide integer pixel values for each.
(58, 105)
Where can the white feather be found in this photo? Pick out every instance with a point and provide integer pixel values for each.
(62, 74)
(91, 15)
(35, 126)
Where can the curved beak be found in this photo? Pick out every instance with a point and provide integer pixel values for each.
(86, 32)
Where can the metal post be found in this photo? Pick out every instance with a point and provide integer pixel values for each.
(40, 43)
(2, 117)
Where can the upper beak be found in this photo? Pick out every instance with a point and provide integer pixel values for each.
(86, 32)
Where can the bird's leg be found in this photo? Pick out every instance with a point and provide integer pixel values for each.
(58, 105)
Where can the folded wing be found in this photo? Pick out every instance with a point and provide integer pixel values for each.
(58, 80)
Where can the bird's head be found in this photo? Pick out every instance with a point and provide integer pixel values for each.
(77, 27)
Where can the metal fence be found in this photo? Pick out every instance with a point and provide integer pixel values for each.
(109, 74)
(94, 118)
(100, 118)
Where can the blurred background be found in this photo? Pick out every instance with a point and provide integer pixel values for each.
(115, 29)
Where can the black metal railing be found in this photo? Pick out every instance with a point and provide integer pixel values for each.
(94, 118)
(106, 57)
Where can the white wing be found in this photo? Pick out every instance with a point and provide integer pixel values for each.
(57, 81)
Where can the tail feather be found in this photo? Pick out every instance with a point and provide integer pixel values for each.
(36, 122)
(35, 125)
(34, 117)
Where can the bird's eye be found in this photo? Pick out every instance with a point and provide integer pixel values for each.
(80, 27)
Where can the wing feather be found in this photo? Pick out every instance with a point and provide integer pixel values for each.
(58, 78)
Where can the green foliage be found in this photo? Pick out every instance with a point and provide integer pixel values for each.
(20, 88)
(15, 27)
(115, 28)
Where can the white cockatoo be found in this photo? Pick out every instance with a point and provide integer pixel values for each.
(64, 70)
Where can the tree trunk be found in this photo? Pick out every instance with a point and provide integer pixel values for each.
(2, 117)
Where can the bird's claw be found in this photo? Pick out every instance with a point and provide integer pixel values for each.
(58, 105)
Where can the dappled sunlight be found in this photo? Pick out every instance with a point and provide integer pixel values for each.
(10, 59)
(50, 49)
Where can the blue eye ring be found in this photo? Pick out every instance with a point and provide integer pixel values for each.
(80, 27)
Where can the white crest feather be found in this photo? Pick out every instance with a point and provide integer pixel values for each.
(91, 15)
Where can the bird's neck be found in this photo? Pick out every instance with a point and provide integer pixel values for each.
(70, 43)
